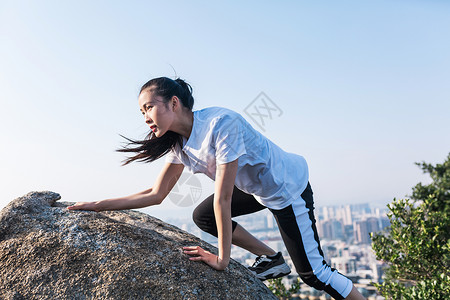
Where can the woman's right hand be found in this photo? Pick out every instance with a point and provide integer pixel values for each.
(84, 206)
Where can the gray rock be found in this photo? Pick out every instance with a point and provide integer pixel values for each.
(48, 252)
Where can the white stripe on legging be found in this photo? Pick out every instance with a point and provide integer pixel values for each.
(337, 281)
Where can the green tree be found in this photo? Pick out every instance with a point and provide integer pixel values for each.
(279, 289)
(416, 245)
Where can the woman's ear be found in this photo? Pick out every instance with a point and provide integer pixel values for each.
(175, 102)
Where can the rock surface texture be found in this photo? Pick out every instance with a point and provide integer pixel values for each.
(49, 252)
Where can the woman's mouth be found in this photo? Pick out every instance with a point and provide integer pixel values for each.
(153, 128)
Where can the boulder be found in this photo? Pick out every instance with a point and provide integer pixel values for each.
(49, 252)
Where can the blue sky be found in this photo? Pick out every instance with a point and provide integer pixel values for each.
(362, 85)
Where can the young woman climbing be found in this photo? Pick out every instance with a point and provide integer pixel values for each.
(251, 173)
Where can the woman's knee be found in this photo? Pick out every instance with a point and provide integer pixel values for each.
(204, 219)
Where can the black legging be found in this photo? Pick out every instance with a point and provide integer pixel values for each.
(241, 204)
(297, 226)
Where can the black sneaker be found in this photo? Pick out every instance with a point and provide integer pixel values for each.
(266, 267)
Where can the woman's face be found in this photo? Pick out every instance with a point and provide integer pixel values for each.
(158, 115)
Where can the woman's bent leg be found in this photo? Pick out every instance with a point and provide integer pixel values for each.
(247, 241)
(298, 230)
(241, 204)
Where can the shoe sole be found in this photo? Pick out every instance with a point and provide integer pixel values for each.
(275, 272)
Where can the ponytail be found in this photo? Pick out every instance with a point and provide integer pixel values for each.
(152, 148)
(187, 99)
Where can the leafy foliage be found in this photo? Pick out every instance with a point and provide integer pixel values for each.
(279, 289)
(417, 244)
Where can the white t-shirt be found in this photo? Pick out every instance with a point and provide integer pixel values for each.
(219, 135)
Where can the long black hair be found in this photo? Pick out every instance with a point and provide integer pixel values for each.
(152, 147)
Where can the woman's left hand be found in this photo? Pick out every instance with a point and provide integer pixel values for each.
(199, 254)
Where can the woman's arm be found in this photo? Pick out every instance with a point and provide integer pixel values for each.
(152, 196)
(225, 177)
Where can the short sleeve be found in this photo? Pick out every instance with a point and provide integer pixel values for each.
(171, 158)
(229, 139)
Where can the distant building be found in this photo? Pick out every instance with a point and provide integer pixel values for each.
(361, 232)
(349, 235)
(361, 208)
(331, 230)
(325, 213)
(348, 220)
(385, 222)
(345, 264)
(270, 221)
(325, 230)
(372, 224)
(377, 269)
(337, 228)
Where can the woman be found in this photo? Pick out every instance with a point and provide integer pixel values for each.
(250, 172)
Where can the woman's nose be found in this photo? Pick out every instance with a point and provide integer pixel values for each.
(148, 120)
